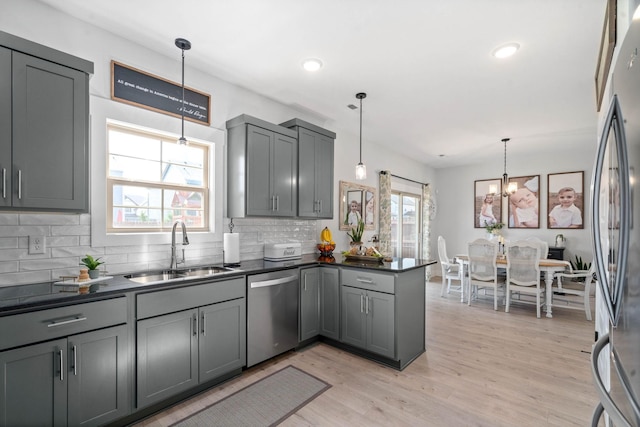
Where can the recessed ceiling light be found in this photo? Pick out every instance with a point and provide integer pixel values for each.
(505, 50)
(312, 64)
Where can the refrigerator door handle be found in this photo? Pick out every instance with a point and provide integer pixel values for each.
(605, 400)
(597, 414)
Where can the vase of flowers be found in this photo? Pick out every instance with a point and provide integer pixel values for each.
(493, 230)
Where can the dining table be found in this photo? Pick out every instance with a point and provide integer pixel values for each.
(548, 266)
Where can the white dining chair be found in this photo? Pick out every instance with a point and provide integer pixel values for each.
(451, 271)
(483, 270)
(575, 283)
(523, 273)
(544, 246)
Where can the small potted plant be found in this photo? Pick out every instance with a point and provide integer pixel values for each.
(92, 264)
(356, 233)
(494, 229)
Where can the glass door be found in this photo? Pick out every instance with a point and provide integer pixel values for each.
(406, 225)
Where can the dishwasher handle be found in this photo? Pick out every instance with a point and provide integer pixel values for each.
(273, 282)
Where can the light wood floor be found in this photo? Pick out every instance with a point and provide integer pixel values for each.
(481, 368)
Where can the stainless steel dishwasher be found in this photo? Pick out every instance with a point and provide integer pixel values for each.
(272, 314)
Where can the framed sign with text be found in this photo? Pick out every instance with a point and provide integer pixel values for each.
(136, 87)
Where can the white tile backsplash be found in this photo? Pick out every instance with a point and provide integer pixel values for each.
(68, 239)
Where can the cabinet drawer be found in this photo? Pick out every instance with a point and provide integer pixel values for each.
(28, 328)
(187, 297)
(368, 280)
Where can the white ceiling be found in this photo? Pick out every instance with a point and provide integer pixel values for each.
(433, 87)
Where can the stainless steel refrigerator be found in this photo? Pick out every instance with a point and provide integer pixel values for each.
(616, 240)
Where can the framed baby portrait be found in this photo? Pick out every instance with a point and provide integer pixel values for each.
(565, 193)
(487, 202)
(524, 201)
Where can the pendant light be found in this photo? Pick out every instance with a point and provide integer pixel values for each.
(361, 169)
(507, 187)
(183, 44)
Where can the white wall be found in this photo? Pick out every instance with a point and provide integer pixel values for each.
(68, 237)
(454, 190)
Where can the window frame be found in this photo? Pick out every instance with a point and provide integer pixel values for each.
(112, 181)
(93, 226)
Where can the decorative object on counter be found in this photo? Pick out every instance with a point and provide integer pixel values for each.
(356, 233)
(182, 44)
(560, 241)
(326, 245)
(84, 275)
(361, 169)
(92, 265)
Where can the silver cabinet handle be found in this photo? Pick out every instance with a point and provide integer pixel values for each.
(66, 322)
(366, 311)
(319, 205)
(361, 303)
(277, 203)
(204, 332)
(364, 280)
(19, 184)
(61, 365)
(305, 282)
(74, 351)
(195, 324)
(4, 183)
(273, 282)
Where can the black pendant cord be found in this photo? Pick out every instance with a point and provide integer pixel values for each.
(361, 96)
(182, 109)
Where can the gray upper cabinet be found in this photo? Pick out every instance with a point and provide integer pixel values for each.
(44, 116)
(262, 165)
(315, 169)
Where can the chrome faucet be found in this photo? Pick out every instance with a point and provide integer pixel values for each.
(185, 241)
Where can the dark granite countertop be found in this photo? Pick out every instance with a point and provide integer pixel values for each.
(24, 298)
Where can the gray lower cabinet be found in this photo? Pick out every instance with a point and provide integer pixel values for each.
(262, 161)
(315, 169)
(181, 349)
(80, 380)
(368, 320)
(384, 313)
(330, 302)
(319, 303)
(44, 126)
(309, 312)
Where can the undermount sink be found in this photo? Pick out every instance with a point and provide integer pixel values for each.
(166, 275)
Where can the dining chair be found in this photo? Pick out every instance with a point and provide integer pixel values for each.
(483, 270)
(450, 271)
(523, 273)
(544, 246)
(575, 283)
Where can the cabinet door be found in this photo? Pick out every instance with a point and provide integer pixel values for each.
(380, 314)
(98, 387)
(33, 388)
(329, 303)
(259, 172)
(324, 176)
(167, 356)
(5, 127)
(353, 317)
(223, 341)
(307, 200)
(285, 175)
(50, 133)
(309, 303)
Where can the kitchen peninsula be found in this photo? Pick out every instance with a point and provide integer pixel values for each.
(114, 341)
